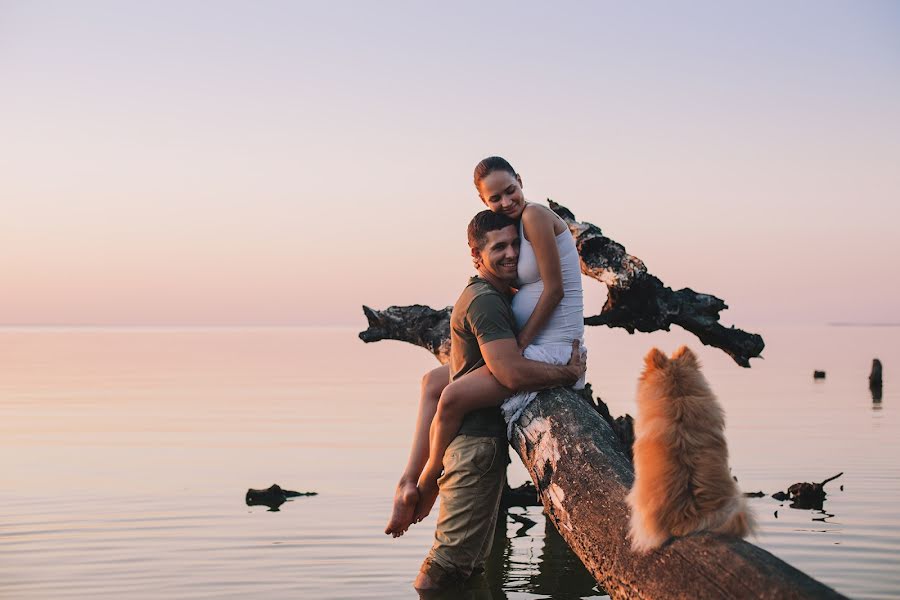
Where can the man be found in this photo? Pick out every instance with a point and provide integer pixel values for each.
(482, 329)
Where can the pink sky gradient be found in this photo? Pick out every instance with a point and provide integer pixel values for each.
(234, 163)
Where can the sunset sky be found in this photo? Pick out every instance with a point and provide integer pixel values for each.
(263, 163)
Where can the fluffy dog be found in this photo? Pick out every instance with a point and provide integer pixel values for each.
(682, 482)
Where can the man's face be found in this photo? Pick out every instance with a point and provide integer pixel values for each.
(500, 254)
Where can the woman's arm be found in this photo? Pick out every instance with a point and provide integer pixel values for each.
(538, 225)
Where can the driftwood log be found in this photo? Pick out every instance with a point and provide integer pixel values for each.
(583, 476)
(637, 301)
(583, 473)
(640, 301)
(582, 470)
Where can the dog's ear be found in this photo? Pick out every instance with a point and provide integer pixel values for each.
(686, 357)
(656, 359)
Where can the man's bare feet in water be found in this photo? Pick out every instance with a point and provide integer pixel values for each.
(428, 491)
(405, 500)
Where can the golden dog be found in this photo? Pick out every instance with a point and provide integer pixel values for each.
(682, 482)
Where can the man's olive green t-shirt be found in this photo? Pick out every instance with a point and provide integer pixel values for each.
(481, 315)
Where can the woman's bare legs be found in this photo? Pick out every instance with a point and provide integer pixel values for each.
(407, 495)
(475, 390)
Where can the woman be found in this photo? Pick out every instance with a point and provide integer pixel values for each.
(549, 313)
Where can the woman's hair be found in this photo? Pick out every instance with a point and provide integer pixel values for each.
(489, 165)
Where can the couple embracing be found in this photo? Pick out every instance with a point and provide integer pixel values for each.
(516, 328)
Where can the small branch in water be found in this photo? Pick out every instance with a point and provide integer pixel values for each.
(805, 494)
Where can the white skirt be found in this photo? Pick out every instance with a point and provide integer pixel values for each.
(555, 354)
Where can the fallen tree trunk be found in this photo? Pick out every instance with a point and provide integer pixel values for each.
(583, 476)
(583, 472)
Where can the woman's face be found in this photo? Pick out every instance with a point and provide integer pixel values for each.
(501, 192)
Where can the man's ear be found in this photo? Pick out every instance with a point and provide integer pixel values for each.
(476, 256)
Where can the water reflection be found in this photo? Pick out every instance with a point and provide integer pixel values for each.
(824, 516)
(476, 588)
(559, 573)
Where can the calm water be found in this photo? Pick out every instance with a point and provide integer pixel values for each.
(125, 455)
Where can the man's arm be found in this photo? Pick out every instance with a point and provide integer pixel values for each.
(516, 372)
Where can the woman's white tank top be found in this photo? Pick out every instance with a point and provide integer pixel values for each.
(567, 321)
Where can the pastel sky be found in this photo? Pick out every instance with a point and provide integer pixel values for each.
(236, 163)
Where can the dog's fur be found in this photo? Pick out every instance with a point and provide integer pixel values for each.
(682, 482)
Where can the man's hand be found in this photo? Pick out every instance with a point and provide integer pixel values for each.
(576, 364)
(515, 372)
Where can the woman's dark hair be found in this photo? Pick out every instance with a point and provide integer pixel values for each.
(489, 165)
(484, 222)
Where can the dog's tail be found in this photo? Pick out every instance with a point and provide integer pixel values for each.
(740, 522)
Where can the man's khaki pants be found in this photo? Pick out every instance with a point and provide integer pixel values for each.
(470, 490)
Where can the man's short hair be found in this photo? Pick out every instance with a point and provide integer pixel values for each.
(482, 223)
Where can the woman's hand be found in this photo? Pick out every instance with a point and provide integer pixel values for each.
(576, 362)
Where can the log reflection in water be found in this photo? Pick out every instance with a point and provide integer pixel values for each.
(558, 573)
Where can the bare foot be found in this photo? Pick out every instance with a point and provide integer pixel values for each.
(405, 500)
(428, 493)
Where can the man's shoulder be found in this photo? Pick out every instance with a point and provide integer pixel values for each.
(479, 292)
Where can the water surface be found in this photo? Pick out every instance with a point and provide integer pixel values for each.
(125, 455)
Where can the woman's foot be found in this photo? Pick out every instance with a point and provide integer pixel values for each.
(428, 492)
(405, 500)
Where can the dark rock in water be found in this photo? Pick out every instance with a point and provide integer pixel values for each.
(758, 494)
(806, 495)
(875, 375)
(273, 496)
(818, 374)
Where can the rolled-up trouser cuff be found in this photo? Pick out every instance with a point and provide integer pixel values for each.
(441, 576)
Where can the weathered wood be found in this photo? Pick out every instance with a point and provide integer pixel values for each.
(417, 324)
(637, 301)
(580, 467)
(583, 476)
(640, 301)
